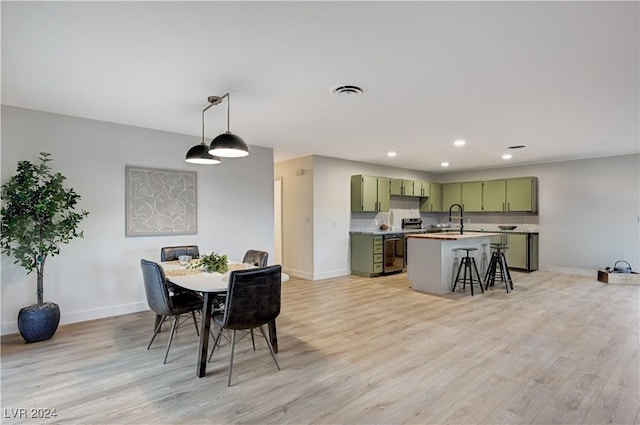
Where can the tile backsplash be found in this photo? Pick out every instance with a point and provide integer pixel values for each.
(407, 208)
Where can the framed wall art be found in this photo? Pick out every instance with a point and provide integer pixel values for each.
(160, 202)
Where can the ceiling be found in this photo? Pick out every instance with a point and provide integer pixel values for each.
(560, 78)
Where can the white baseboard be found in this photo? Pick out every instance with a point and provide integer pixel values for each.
(84, 315)
(298, 273)
(329, 275)
(569, 270)
(317, 276)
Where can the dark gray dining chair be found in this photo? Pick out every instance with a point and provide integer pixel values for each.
(255, 257)
(163, 303)
(171, 253)
(253, 299)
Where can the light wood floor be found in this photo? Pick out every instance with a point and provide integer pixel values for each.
(559, 349)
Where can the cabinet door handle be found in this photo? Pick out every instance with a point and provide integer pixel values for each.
(508, 206)
(503, 207)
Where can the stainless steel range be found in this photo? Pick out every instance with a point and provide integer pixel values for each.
(410, 225)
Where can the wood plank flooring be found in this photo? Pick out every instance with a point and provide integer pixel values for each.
(559, 349)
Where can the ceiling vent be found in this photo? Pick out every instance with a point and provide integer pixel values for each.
(348, 90)
(516, 147)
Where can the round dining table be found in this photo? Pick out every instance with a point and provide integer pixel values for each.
(210, 285)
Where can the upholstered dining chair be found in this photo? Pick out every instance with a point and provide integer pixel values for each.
(255, 257)
(171, 253)
(253, 299)
(163, 303)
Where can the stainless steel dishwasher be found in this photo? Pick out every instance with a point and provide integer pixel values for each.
(393, 253)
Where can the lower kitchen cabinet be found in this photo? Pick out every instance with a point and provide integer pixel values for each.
(523, 250)
(366, 254)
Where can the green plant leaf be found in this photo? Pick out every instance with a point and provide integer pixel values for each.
(211, 263)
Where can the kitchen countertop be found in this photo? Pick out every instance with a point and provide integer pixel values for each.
(467, 229)
(496, 230)
(387, 232)
(446, 236)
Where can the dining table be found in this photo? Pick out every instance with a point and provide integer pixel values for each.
(211, 285)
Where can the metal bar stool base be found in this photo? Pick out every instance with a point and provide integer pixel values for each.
(498, 269)
(468, 264)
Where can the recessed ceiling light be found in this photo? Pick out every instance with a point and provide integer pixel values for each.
(459, 142)
(444, 164)
(506, 156)
(391, 154)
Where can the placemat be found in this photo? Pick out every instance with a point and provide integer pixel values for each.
(182, 272)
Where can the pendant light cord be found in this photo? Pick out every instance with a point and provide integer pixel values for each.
(203, 111)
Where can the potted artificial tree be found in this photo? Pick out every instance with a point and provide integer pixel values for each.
(38, 216)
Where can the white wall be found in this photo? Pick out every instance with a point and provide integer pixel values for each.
(297, 216)
(99, 275)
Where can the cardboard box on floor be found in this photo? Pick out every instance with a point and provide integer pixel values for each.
(632, 278)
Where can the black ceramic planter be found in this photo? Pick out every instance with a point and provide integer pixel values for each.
(38, 322)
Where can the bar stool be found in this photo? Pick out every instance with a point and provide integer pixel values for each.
(498, 268)
(484, 259)
(468, 263)
(456, 264)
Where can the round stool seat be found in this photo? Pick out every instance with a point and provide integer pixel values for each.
(499, 246)
(467, 249)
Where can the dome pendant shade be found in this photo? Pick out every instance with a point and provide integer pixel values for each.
(199, 154)
(228, 145)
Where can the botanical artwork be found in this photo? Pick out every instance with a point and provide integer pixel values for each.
(160, 202)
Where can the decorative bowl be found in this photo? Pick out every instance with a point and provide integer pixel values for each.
(507, 227)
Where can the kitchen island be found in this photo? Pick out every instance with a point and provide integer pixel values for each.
(430, 258)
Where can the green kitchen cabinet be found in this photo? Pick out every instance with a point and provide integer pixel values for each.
(513, 195)
(451, 194)
(522, 194)
(369, 193)
(471, 196)
(522, 252)
(494, 195)
(434, 202)
(516, 255)
(402, 187)
(422, 189)
(366, 254)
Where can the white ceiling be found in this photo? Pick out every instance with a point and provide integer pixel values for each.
(560, 78)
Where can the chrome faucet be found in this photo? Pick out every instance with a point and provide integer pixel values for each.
(461, 211)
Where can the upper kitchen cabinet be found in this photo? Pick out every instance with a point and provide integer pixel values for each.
(434, 202)
(522, 194)
(451, 194)
(512, 195)
(494, 194)
(369, 193)
(402, 187)
(471, 196)
(421, 189)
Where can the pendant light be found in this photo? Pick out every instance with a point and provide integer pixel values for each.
(227, 145)
(199, 154)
